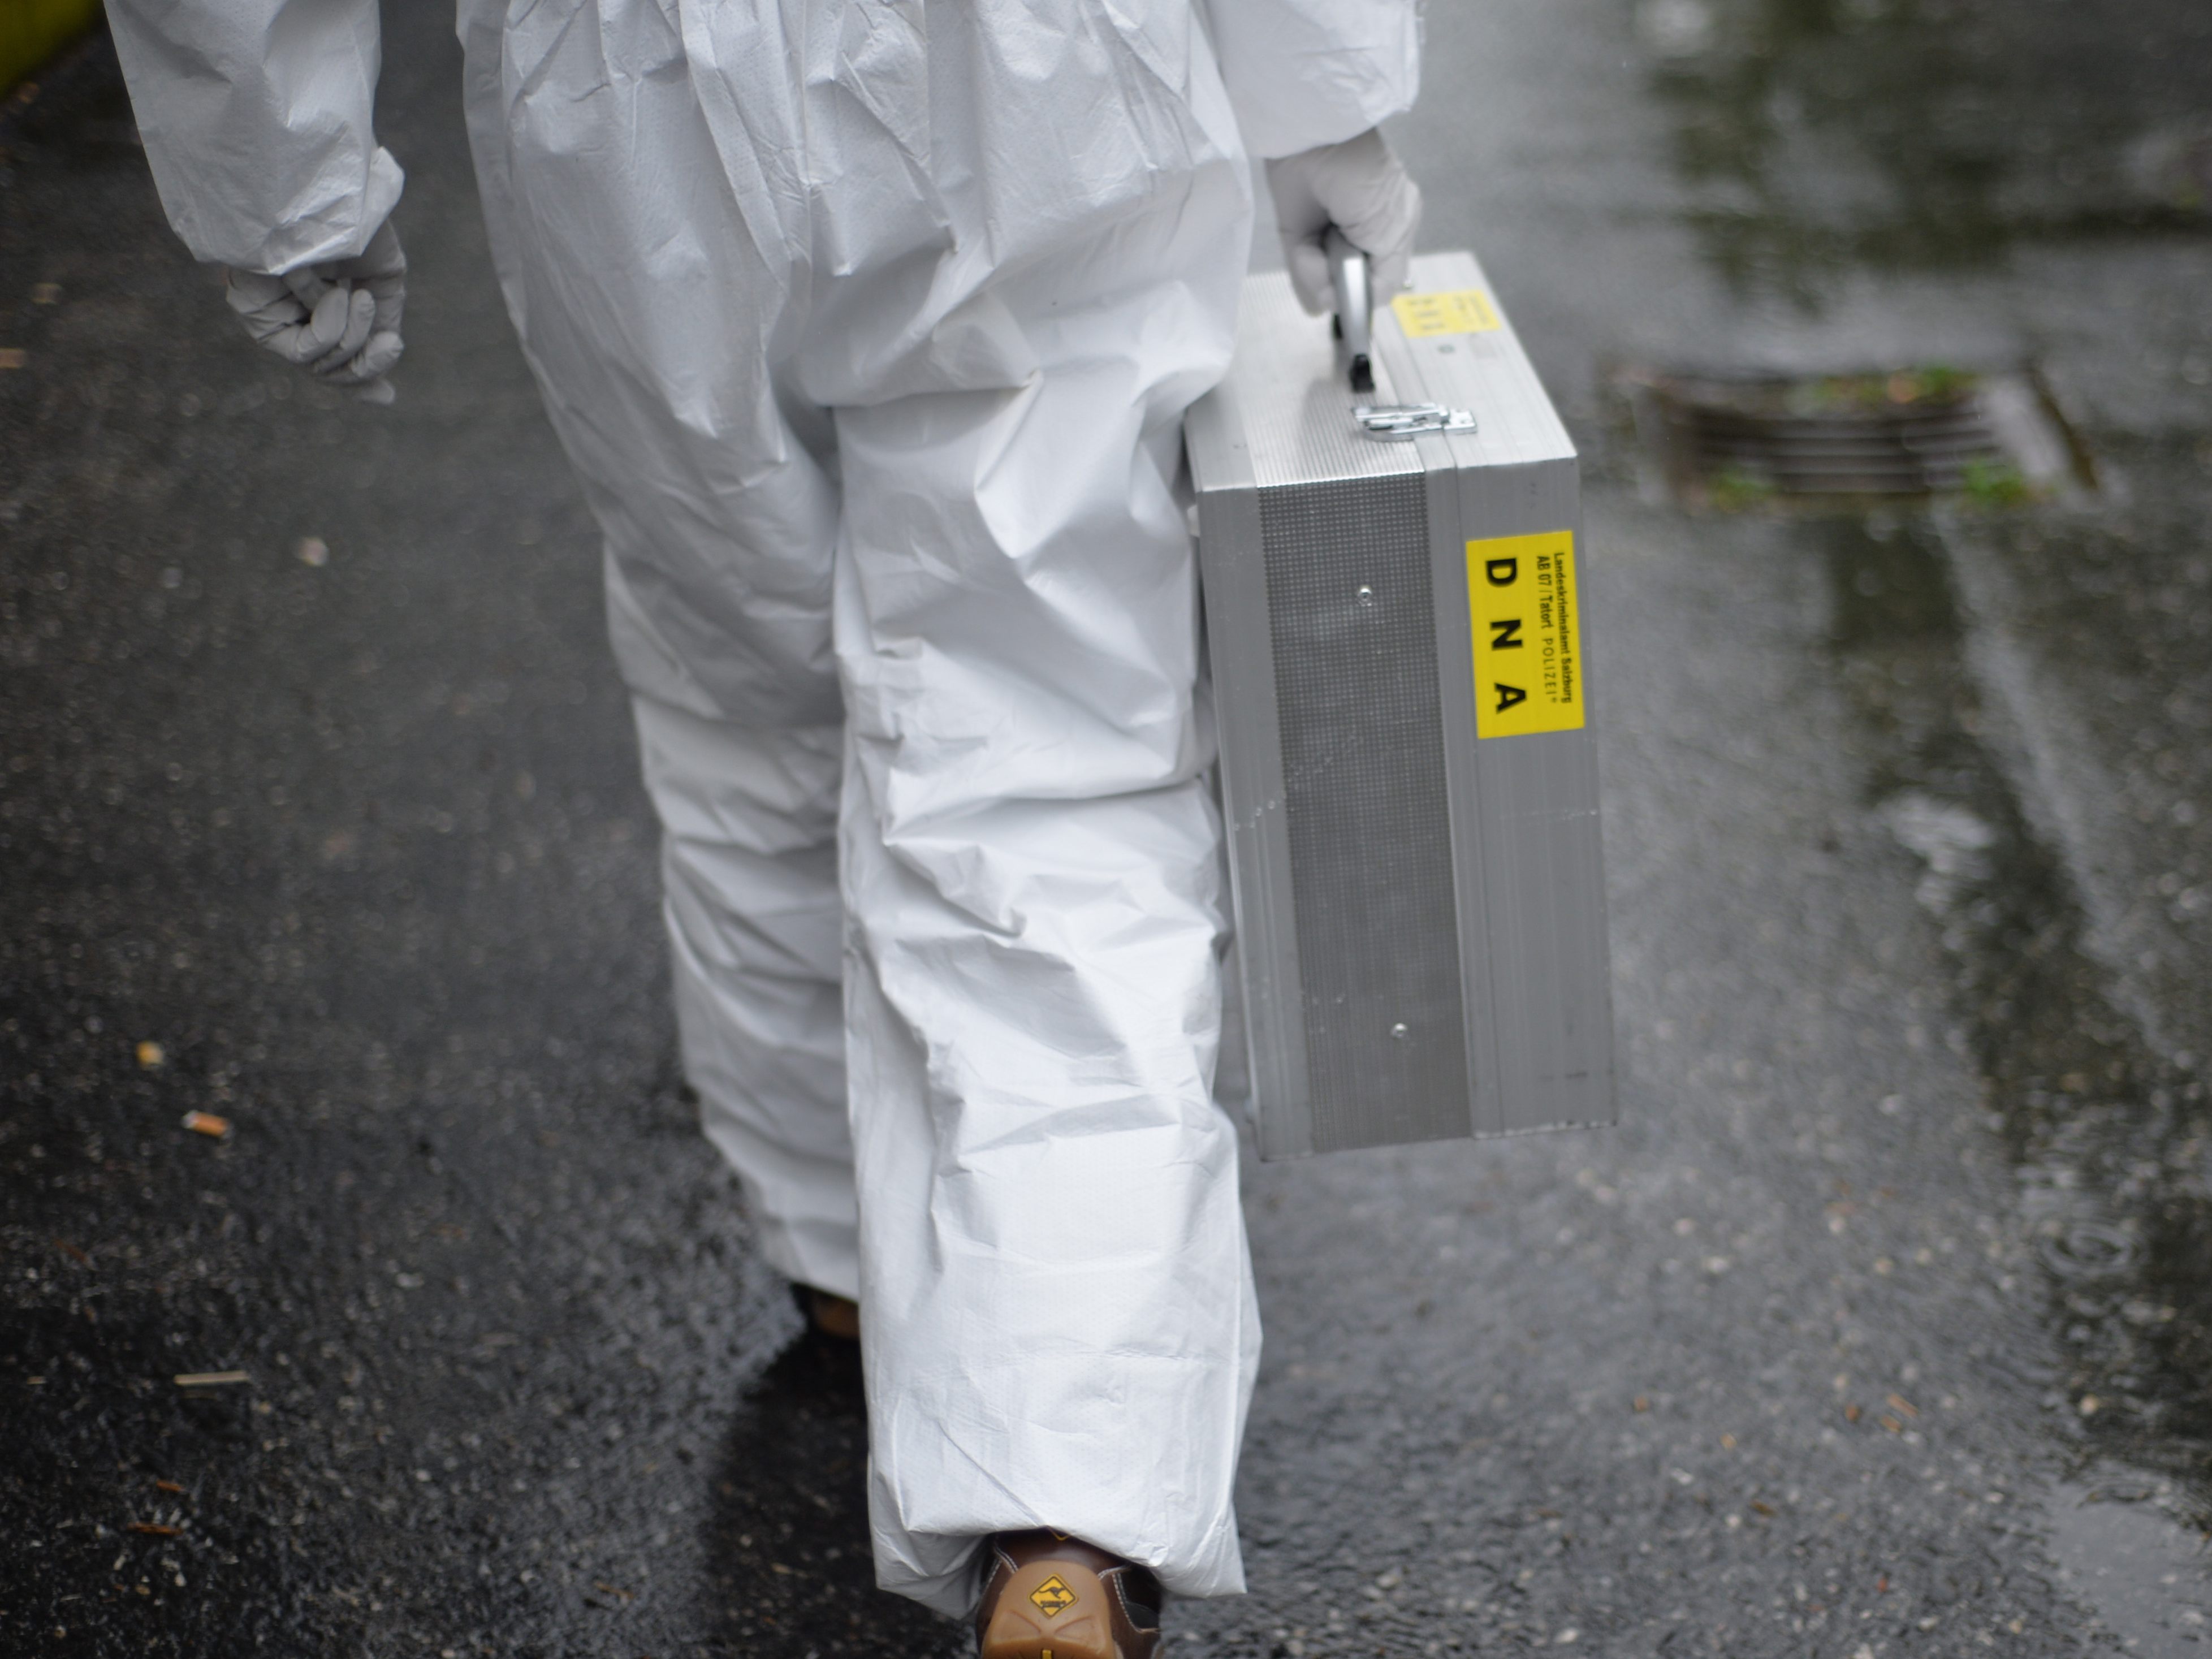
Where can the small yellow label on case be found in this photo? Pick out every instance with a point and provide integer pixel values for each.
(1457, 310)
(1527, 634)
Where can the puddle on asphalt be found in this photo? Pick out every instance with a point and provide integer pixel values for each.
(2145, 1576)
(2110, 1142)
(1819, 135)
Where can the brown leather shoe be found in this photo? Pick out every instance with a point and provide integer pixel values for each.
(1049, 1596)
(829, 1313)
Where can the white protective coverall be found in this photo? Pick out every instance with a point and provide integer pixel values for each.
(869, 326)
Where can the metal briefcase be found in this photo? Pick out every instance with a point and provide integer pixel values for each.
(1408, 767)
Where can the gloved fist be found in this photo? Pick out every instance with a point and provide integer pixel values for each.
(339, 320)
(1358, 186)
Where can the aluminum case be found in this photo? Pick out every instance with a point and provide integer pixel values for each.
(1420, 909)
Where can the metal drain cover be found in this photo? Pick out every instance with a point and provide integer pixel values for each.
(1733, 441)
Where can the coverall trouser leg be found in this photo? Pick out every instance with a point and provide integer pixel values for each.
(881, 415)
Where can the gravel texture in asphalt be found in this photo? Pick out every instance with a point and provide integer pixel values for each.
(1880, 1326)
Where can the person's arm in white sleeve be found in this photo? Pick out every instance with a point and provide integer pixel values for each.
(258, 122)
(258, 119)
(1310, 81)
(1305, 73)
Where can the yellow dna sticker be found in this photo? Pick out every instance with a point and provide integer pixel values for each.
(1457, 311)
(1527, 634)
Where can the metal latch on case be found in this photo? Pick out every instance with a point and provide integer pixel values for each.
(1399, 423)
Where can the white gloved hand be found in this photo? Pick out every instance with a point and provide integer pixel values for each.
(338, 320)
(1359, 187)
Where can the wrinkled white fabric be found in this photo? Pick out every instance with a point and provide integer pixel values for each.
(256, 116)
(1302, 73)
(869, 326)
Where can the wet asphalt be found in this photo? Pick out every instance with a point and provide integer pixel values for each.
(1882, 1325)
